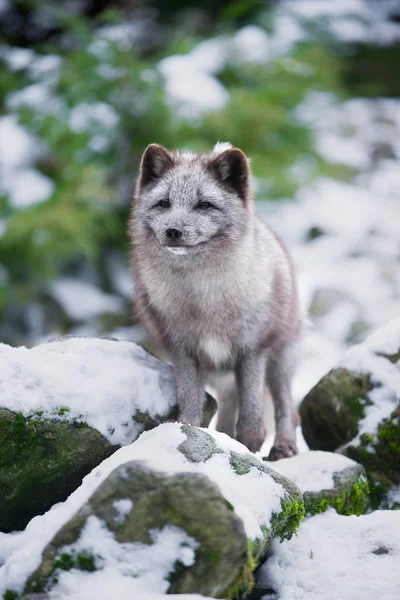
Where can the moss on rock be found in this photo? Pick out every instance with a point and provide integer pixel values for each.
(349, 495)
(380, 455)
(42, 461)
(189, 501)
(331, 411)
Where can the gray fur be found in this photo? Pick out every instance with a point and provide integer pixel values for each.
(229, 303)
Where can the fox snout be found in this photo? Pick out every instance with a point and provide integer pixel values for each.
(173, 233)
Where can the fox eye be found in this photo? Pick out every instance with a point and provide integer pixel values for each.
(204, 205)
(163, 204)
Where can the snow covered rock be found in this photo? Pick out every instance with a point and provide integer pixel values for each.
(327, 480)
(67, 405)
(190, 510)
(337, 557)
(355, 408)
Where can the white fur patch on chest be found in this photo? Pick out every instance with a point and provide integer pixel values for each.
(216, 350)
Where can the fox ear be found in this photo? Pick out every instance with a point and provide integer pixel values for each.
(232, 169)
(155, 161)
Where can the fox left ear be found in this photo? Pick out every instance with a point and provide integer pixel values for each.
(232, 169)
(155, 161)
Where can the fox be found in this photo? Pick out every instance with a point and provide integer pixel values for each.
(215, 288)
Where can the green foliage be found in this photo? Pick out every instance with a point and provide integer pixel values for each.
(10, 595)
(94, 164)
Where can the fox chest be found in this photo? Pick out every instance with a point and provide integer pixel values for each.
(214, 318)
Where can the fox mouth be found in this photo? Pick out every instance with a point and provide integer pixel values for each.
(178, 249)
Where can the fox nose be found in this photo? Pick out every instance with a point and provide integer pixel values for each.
(173, 233)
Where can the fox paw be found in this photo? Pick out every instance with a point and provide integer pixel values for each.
(252, 439)
(282, 450)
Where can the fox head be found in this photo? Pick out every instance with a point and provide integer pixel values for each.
(188, 205)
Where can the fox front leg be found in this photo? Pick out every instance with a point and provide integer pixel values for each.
(189, 389)
(250, 375)
(280, 371)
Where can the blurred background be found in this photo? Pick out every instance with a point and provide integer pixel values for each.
(309, 89)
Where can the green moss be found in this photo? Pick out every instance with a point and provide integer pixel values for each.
(239, 463)
(10, 595)
(65, 561)
(286, 523)
(145, 419)
(331, 411)
(63, 411)
(85, 562)
(380, 456)
(346, 502)
(244, 583)
(42, 460)
(394, 358)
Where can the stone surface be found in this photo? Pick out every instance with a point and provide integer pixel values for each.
(355, 409)
(327, 480)
(229, 505)
(65, 407)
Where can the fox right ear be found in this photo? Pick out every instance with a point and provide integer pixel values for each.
(155, 161)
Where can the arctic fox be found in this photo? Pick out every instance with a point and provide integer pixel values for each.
(216, 288)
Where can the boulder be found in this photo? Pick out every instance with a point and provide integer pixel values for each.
(327, 480)
(355, 409)
(189, 510)
(67, 405)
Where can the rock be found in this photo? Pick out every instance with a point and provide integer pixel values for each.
(41, 462)
(336, 556)
(66, 406)
(327, 480)
(391, 499)
(355, 409)
(199, 494)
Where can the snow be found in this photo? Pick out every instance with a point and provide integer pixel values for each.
(30, 187)
(252, 45)
(18, 58)
(106, 586)
(348, 276)
(354, 21)
(255, 496)
(23, 185)
(85, 117)
(312, 471)
(18, 148)
(190, 86)
(148, 564)
(123, 35)
(337, 558)
(100, 381)
(123, 508)
(38, 97)
(81, 300)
